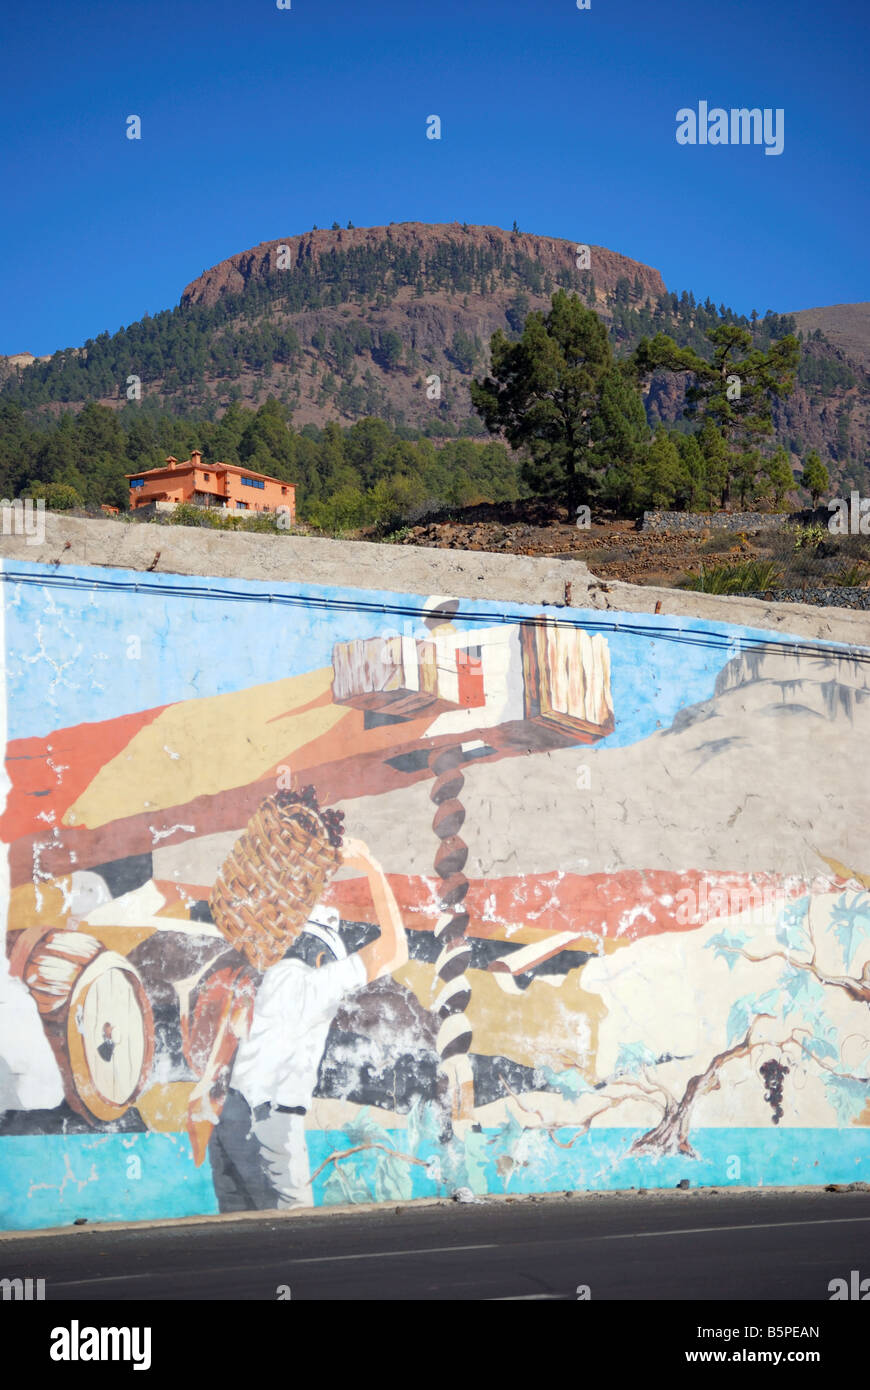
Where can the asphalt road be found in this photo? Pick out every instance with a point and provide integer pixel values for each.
(746, 1245)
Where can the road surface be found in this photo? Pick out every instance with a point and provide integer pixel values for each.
(724, 1245)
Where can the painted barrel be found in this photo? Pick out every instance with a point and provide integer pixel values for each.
(96, 1015)
(49, 962)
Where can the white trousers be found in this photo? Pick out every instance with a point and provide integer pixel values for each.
(284, 1156)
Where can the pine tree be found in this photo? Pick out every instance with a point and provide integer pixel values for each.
(663, 472)
(717, 463)
(745, 468)
(779, 475)
(734, 391)
(815, 477)
(544, 393)
(694, 488)
(620, 441)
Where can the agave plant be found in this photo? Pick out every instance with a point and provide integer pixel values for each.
(748, 577)
(851, 576)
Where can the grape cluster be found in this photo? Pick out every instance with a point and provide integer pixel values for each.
(773, 1073)
(306, 799)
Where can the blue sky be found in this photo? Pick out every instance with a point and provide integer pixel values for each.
(258, 123)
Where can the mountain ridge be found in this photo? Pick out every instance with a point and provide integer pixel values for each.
(847, 326)
(394, 322)
(233, 273)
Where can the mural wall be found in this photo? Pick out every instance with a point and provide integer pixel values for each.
(326, 895)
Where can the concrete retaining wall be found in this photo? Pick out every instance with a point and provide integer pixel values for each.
(470, 574)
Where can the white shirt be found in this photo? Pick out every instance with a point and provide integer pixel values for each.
(29, 1075)
(295, 1005)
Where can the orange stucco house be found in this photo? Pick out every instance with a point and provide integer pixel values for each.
(211, 485)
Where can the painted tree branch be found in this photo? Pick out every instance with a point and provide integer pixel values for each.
(841, 1075)
(859, 990)
(583, 1128)
(659, 1085)
(586, 1123)
(650, 1092)
(671, 1134)
(340, 1155)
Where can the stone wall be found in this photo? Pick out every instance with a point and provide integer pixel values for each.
(661, 521)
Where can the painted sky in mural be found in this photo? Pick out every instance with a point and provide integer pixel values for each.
(68, 647)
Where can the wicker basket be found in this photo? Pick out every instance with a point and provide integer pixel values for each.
(274, 875)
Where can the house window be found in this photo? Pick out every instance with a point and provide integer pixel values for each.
(207, 477)
(241, 506)
(253, 482)
(283, 492)
(137, 482)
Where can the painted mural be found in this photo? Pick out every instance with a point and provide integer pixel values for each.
(320, 895)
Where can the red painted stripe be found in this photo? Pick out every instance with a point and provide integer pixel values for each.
(49, 774)
(626, 905)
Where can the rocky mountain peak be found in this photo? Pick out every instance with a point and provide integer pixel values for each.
(555, 255)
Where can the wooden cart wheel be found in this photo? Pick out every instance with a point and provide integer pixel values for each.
(110, 1036)
(96, 1015)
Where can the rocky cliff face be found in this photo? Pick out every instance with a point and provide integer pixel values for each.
(555, 256)
(15, 362)
(425, 286)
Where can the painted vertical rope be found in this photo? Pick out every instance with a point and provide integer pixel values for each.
(454, 958)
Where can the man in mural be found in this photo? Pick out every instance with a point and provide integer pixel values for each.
(258, 1150)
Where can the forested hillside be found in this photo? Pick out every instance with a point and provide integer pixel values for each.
(393, 322)
(366, 473)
